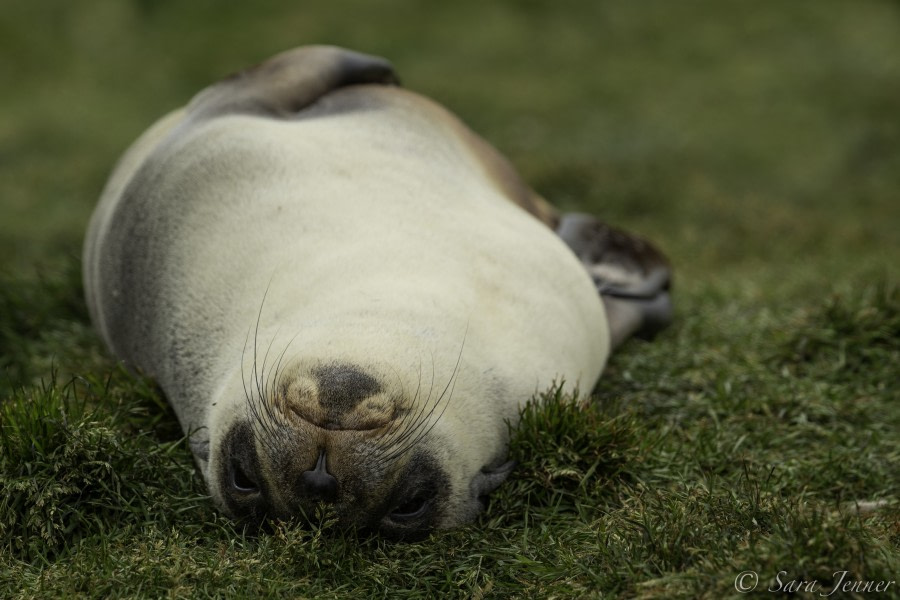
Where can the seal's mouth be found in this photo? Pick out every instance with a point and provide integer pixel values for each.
(357, 421)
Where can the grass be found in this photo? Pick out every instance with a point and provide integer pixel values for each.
(758, 143)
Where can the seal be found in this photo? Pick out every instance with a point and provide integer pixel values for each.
(346, 295)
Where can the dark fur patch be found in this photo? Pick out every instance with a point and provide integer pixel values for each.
(239, 451)
(342, 387)
(424, 477)
(290, 82)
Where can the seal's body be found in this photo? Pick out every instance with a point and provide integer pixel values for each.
(345, 294)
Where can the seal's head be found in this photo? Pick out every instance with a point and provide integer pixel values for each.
(389, 457)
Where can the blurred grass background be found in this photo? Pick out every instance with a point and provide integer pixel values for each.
(757, 142)
(754, 134)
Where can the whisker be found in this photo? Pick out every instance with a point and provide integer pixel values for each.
(421, 433)
(258, 404)
(417, 418)
(269, 404)
(265, 360)
(443, 392)
(396, 426)
(436, 421)
(411, 423)
(410, 440)
(252, 404)
(389, 439)
(278, 373)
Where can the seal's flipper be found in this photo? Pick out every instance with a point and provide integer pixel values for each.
(631, 275)
(289, 82)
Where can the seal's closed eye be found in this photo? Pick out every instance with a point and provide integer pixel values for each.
(412, 509)
(241, 481)
(416, 505)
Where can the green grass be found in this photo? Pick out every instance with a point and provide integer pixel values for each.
(757, 143)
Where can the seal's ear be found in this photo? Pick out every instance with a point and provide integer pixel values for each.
(489, 479)
(289, 82)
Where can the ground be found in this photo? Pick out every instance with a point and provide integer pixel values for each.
(757, 143)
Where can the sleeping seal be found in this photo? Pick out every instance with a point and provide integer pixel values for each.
(346, 294)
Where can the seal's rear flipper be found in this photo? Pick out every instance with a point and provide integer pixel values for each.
(289, 82)
(631, 275)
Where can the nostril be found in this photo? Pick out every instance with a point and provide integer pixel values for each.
(321, 486)
(318, 482)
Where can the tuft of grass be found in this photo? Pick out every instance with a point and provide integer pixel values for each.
(70, 470)
(570, 448)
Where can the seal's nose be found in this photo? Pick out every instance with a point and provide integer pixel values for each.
(319, 483)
